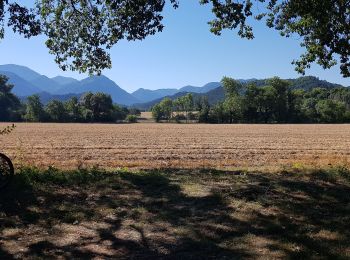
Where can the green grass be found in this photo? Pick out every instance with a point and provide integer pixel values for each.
(176, 214)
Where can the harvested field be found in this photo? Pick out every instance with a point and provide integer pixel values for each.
(177, 145)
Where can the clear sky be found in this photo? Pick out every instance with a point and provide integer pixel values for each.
(185, 53)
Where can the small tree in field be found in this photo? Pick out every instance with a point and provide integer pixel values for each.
(157, 112)
(232, 104)
(35, 109)
(185, 104)
(166, 106)
(74, 110)
(131, 119)
(56, 111)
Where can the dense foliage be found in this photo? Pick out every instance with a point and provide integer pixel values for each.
(90, 107)
(9, 103)
(276, 102)
(166, 108)
(80, 32)
(217, 94)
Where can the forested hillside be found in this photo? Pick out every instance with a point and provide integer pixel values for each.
(278, 101)
(218, 94)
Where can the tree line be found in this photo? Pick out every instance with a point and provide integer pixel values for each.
(89, 108)
(248, 103)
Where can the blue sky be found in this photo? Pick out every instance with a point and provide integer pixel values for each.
(185, 53)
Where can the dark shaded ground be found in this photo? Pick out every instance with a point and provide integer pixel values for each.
(176, 214)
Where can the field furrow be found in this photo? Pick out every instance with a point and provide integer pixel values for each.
(177, 145)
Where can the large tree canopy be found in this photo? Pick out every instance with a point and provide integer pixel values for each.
(9, 103)
(80, 32)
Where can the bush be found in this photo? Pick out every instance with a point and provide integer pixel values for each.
(333, 174)
(131, 119)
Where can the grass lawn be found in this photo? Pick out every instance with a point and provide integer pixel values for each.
(176, 214)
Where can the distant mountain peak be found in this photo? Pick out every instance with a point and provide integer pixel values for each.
(21, 71)
(64, 80)
(21, 86)
(100, 84)
(28, 82)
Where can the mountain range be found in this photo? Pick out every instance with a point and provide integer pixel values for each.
(147, 95)
(218, 94)
(28, 82)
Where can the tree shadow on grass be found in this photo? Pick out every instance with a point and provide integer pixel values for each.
(175, 214)
(311, 214)
(194, 216)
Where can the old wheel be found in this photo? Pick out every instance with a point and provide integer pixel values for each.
(6, 170)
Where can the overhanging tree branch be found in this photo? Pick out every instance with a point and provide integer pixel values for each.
(80, 32)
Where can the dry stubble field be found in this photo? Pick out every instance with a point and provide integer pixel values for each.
(177, 145)
(295, 213)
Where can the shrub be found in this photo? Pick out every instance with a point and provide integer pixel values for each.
(333, 174)
(131, 119)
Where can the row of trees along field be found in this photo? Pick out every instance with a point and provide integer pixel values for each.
(90, 107)
(274, 103)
